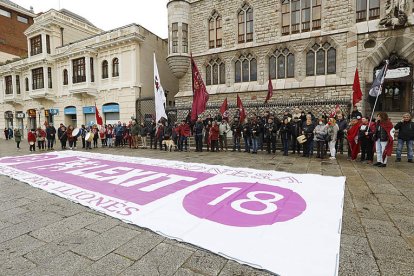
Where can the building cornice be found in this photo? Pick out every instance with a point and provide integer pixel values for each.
(17, 9)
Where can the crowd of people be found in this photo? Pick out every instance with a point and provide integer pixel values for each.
(298, 133)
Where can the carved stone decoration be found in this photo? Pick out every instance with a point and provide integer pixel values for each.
(395, 14)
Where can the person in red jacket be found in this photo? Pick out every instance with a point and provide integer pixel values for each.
(214, 136)
(185, 132)
(31, 138)
(353, 137)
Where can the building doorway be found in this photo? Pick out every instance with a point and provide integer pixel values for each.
(397, 89)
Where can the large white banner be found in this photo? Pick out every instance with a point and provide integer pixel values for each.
(286, 223)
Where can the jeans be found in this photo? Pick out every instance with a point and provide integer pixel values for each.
(380, 150)
(255, 144)
(50, 143)
(247, 144)
(409, 144)
(285, 143)
(236, 143)
(183, 142)
(199, 142)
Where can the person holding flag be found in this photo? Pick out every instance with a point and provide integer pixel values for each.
(159, 98)
(383, 139)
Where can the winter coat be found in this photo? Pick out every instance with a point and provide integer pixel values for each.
(405, 130)
(321, 133)
(135, 129)
(17, 136)
(185, 130)
(285, 131)
(31, 137)
(214, 132)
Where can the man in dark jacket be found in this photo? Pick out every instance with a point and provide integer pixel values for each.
(342, 125)
(270, 130)
(50, 136)
(198, 135)
(405, 135)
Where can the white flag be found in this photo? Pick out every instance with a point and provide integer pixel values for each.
(160, 99)
(376, 87)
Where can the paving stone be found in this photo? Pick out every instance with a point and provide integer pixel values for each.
(400, 209)
(351, 224)
(106, 242)
(63, 227)
(111, 264)
(395, 268)
(69, 242)
(356, 257)
(14, 203)
(394, 249)
(380, 227)
(12, 213)
(233, 268)
(4, 224)
(66, 264)
(103, 225)
(371, 211)
(28, 226)
(404, 223)
(186, 272)
(18, 247)
(140, 245)
(16, 266)
(204, 262)
(392, 199)
(164, 259)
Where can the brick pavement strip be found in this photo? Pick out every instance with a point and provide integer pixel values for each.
(50, 250)
(65, 226)
(106, 242)
(164, 259)
(377, 231)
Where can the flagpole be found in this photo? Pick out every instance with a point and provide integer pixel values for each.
(378, 94)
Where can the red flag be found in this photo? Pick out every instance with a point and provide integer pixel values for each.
(224, 107)
(242, 111)
(98, 116)
(269, 90)
(357, 95)
(200, 94)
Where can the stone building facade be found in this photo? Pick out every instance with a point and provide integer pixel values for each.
(14, 20)
(72, 65)
(309, 48)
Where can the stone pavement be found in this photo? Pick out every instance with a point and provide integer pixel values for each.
(42, 234)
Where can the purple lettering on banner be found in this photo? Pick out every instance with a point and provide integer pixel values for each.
(244, 204)
(137, 183)
(24, 159)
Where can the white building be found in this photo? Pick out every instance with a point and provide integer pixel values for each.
(72, 65)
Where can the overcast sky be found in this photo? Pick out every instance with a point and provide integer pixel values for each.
(107, 15)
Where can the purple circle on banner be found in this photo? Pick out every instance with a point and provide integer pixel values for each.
(244, 204)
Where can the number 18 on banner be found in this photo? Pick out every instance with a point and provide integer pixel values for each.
(244, 204)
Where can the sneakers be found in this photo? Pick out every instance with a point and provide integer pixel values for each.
(377, 164)
(382, 165)
(410, 160)
(398, 160)
(332, 158)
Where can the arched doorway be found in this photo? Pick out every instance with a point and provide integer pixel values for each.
(397, 89)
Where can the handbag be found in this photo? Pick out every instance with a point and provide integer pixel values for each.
(301, 139)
